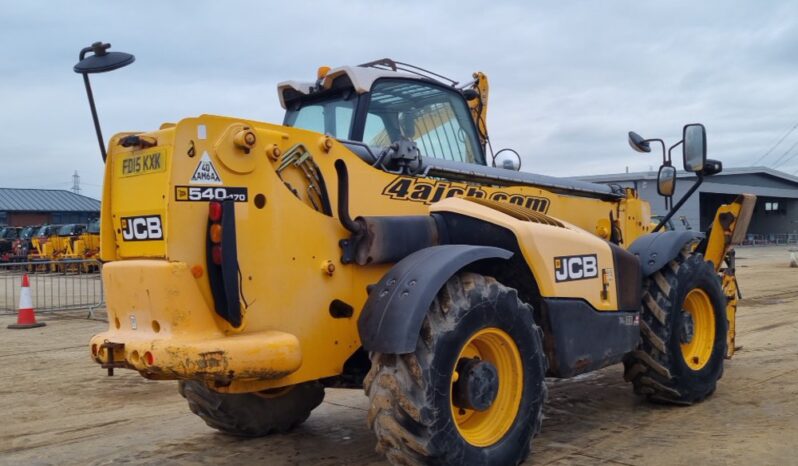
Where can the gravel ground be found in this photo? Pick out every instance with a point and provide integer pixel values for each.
(58, 407)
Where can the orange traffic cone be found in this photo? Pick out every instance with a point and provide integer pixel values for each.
(26, 318)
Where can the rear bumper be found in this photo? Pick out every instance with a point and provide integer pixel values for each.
(257, 356)
(163, 325)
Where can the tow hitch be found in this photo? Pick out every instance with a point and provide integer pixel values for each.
(110, 364)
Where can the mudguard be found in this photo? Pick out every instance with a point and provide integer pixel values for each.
(655, 250)
(395, 309)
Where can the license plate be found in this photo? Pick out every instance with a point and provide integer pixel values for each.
(142, 163)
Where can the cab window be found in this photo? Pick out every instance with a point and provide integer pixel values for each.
(327, 115)
(435, 118)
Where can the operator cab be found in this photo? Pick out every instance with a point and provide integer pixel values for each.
(47, 230)
(73, 229)
(9, 233)
(406, 120)
(370, 109)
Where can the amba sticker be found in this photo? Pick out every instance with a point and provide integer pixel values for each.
(205, 173)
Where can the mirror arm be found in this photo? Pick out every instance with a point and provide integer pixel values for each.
(668, 162)
(662, 143)
(681, 202)
(93, 109)
(83, 53)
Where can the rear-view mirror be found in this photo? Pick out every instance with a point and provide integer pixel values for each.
(694, 137)
(507, 159)
(638, 143)
(666, 180)
(101, 59)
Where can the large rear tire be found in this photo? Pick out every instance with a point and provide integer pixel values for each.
(253, 414)
(683, 330)
(478, 343)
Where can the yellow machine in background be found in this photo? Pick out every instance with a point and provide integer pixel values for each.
(368, 242)
(43, 248)
(83, 244)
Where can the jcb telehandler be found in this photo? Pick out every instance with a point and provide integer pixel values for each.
(368, 242)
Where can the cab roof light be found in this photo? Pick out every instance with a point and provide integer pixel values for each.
(322, 72)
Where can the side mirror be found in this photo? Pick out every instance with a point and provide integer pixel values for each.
(509, 161)
(694, 137)
(666, 180)
(470, 94)
(100, 61)
(638, 143)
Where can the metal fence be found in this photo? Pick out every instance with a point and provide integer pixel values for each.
(54, 285)
(781, 238)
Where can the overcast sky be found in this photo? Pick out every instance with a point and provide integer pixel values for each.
(568, 79)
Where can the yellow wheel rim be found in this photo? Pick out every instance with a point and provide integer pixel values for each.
(485, 428)
(697, 351)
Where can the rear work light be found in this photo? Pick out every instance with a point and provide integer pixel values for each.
(216, 254)
(216, 233)
(222, 260)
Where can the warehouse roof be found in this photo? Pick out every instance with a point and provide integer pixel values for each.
(45, 200)
(616, 177)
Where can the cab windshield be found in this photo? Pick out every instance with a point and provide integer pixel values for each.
(71, 229)
(435, 118)
(27, 232)
(66, 230)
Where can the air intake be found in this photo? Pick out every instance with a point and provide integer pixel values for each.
(516, 211)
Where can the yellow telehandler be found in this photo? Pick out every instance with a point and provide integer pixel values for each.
(83, 244)
(372, 241)
(43, 249)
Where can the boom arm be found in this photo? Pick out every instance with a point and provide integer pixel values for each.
(728, 229)
(479, 106)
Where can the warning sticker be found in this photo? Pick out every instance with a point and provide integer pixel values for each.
(205, 173)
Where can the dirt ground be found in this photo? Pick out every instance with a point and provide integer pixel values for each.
(57, 407)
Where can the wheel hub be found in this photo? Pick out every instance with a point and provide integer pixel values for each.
(688, 328)
(477, 384)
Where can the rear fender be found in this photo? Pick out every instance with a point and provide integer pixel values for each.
(395, 309)
(655, 250)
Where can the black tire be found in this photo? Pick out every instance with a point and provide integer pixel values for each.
(657, 369)
(409, 394)
(250, 414)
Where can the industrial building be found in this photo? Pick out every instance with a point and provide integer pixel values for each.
(775, 217)
(20, 207)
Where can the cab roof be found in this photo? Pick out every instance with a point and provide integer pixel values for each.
(360, 78)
